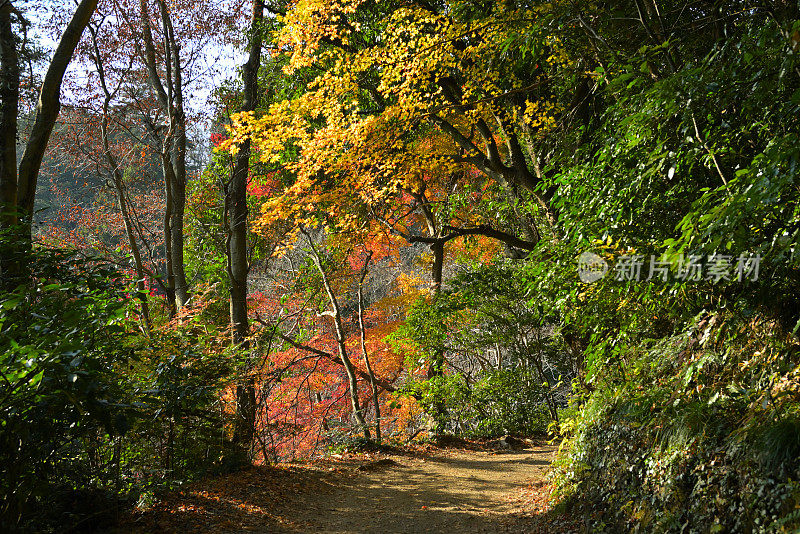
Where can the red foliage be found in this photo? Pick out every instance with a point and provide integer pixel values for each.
(263, 187)
(217, 138)
(304, 400)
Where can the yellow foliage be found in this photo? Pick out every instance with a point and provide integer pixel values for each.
(352, 162)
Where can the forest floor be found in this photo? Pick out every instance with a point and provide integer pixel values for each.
(466, 488)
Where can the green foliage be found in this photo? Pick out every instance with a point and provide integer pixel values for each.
(424, 332)
(205, 237)
(506, 363)
(500, 402)
(684, 417)
(93, 414)
(696, 437)
(62, 339)
(178, 387)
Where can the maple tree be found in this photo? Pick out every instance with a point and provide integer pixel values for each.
(306, 349)
(380, 154)
(389, 114)
(388, 135)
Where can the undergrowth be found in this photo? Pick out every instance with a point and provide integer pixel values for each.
(700, 433)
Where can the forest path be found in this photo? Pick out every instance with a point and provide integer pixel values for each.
(448, 490)
(468, 489)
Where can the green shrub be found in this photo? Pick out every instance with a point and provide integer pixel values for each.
(506, 365)
(695, 440)
(62, 339)
(94, 414)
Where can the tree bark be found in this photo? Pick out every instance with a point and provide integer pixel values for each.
(48, 106)
(9, 91)
(365, 355)
(169, 267)
(236, 202)
(178, 161)
(173, 157)
(438, 265)
(340, 340)
(9, 111)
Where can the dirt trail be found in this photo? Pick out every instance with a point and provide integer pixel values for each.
(445, 491)
(452, 490)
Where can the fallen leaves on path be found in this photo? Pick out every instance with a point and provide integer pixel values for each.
(404, 490)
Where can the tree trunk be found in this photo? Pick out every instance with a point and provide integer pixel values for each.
(236, 204)
(178, 160)
(438, 266)
(365, 355)
(176, 241)
(166, 167)
(437, 242)
(141, 288)
(48, 106)
(173, 157)
(340, 341)
(9, 92)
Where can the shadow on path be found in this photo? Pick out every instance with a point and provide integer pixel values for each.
(444, 491)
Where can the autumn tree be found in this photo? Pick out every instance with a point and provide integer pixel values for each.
(141, 58)
(362, 335)
(330, 373)
(114, 168)
(18, 184)
(380, 98)
(389, 135)
(335, 313)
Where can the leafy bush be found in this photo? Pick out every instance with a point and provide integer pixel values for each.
(62, 339)
(93, 413)
(700, 435)
(506, 364)
(684, 418)
(500, 402)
